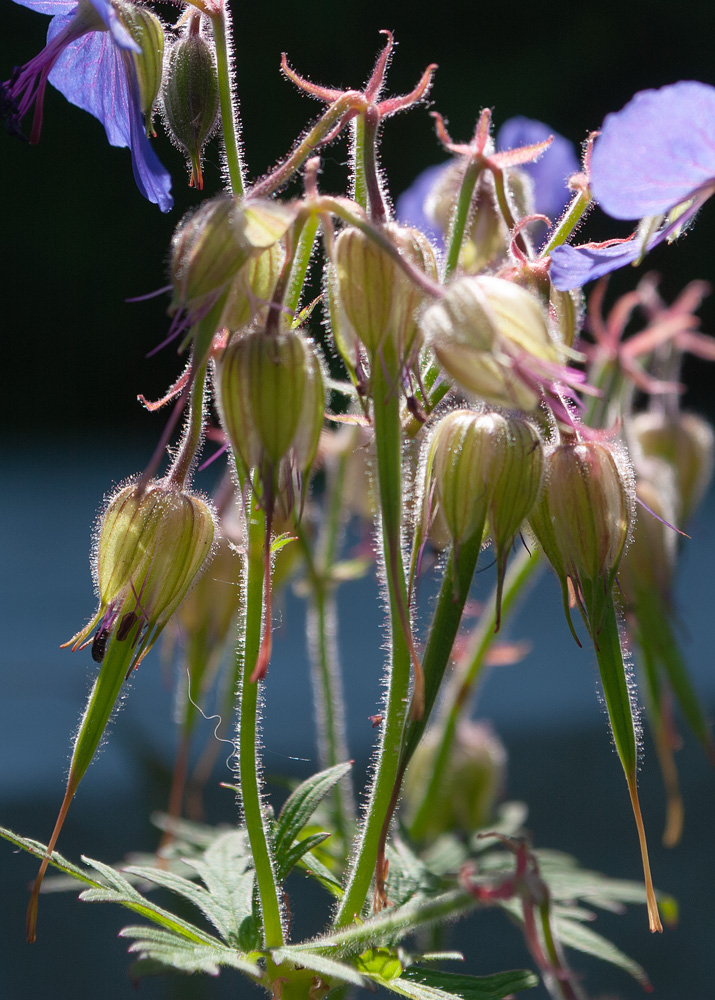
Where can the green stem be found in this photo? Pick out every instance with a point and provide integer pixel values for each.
(307, 146)
(359, 185)
(367, 155)
(614, 682)
(461, 689)
(327, 686)
(249, 765)
(221, 26)
(193, 431)
(574, 214)
(301, 261)
(458, 222)
(388, 439)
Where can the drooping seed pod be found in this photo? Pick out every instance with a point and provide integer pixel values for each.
(687, 443)
(491, 336)
(271, 399)
(583, 520)
(487, 469)
(211, 245)
(191, 96)
(466, 798)
(152, 542)
(377, 299)
(252, 288)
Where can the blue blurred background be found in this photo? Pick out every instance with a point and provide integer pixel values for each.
(77, 241)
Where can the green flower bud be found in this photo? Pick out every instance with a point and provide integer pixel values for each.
(377, 298)
(151, 544)
(480, 328)
(271, 400)
(583, 519)
(472, 783)
(211, 245)
(191, 98)
(486, 468)
(252, 289)
(687, 443)
(148, 32)
(649, 561)
(460, 460)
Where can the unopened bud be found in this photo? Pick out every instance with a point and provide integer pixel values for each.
(153, 540)
(210, 246)
(466, 798)
(191, 98)
(483, 331)
(487, 468)
(649, 561)
(687, 443)
(583, 519)
(147, 31)
(376, 296)
(271, 399)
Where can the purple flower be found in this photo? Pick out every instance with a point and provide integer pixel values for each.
(549, 174)
(653, 156)
(88, 58)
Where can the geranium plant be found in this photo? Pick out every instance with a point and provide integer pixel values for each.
(452, 391)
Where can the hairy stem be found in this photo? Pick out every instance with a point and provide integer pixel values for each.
(221, 26)
(249, 764)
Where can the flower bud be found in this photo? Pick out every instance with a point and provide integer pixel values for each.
(210, 246)
(486, 467)
(583, 520)
(271, 400)
(191, 98)
(466, 798)
(649, 561)
(461, 462)
(687, 443)
(376, 296)
(484, 331)
(151, 545)
(147, 31)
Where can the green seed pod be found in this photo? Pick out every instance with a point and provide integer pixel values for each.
(687, 443)
(151, 544)
(460, 462)
(649, 561)
(191, 98)
(376, 297)
(271, 399)
(486, 468)
(148, 32)
(480, 328)
(465, 799)
(583, 519)
(211, 245)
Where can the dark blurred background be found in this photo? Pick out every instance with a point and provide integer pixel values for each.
(78, 240)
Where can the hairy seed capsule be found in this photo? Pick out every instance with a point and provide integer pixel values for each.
(191, 97)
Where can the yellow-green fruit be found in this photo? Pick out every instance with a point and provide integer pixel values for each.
(271, 398)
(152, 542)
(485, 331)
(210, 246)
(584, 516)
(375, 295)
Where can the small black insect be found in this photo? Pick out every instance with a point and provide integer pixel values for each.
(99, 644)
